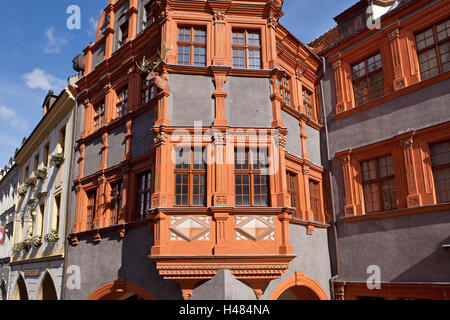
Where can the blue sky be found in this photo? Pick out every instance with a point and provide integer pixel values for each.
(37, 51)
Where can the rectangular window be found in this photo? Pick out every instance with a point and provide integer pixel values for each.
(46, 154)
(91, 209)
(99, 116)
(368, 80)
(379, 184)
(122, 103)
(440, 158)
(192, 46)
(190, 178)
(246, 49)
(62, 140)
(251, 186)
(285, 91)
(149, 14)
(26, 173)
(40, 221)
(116, 202)
(144, 194)
(123, 33)
(433, 50)
(56, 213)
(36, 162)
(292, 188)
(314, 196)
(308, 102)
(148, 91)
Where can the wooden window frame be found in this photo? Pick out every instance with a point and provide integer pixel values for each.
(99, 117)
(307, 107)
(317, 216)
(292, 186)
(436, 44)
(246, 47)
(149, 12)
(378, 180)
(440, 167)
(147, 192)
(367, 78)
(122, 102)
(148, 91)
(251, 169)
(192, 44)
(190, 169)
(91, 208)
(116, 202)
(286, 91)
(123, 36)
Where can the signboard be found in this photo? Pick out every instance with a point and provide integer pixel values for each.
(2, 235)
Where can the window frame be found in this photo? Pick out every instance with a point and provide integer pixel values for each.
(148, 90)
(436, 46)
(437, 168)
(292, 187)
(147, 192)
(116, 202)
(367, 78)
(99, 117)
(192, 44)
(246, 47)
(251, 169)
(317, 216)
(91, 208)
(122, 101)
(191, 171)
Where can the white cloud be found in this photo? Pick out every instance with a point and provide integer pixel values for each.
(92, 31)
(39, 79)
(11, 116)
(54, 42)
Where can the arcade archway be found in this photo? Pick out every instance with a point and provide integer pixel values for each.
(299, 287)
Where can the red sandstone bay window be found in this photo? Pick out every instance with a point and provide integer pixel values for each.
(192, 46)
(246, 49)
(379, 184)
(122, 103)
(440, 157)
(368, 80)
(143, 195)
(433, 49)
(251, 186)
(190, 178)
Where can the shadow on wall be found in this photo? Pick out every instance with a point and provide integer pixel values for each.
(426, 271)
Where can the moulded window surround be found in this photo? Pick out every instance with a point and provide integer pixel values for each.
(285, 91)
(368, 79)
(62, 139)
(56, 217)
(251, 186)
(123, 36)
(143, 195)
(40, 220)
(190, 177)
(246, 46)
(379, 186)
(191, 45)
(308, 102)
(292, 188)
(45, 154)
(433, 49)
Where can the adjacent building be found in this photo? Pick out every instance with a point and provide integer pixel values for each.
(200, 177)
(387, 111)
(8, 192)
(37, 256)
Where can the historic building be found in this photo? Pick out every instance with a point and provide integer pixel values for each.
(198, 169)
(37, 256)
(8, 192)
(387, 113)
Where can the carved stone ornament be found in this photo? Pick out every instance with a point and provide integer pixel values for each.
(219, 17)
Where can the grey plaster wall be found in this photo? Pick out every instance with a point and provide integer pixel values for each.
(406, 248)
(115, 258)
(293, 145)
(248, 102)
(191, 100)
(312, 258)
(116, 143)
(93, 156)
(224, 286)
(313, 145)
(142, 139)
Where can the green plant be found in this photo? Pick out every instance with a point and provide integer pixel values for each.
(31, 182)
(52, 237)
(17, 247)
(57, 159)
(23, 191)
(35, 241)
(41, 174)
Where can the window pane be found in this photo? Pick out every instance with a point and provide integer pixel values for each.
(184, 34)
(377, 85)
(242, 190)
(444, 50)
(361, 92)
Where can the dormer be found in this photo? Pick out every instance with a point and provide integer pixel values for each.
(48, 102)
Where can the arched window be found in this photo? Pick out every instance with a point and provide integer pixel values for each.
(47, 290)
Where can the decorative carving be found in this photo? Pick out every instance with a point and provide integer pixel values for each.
(400, 84)
(413, 201)
(149, 68)
(349, 211)
(309, 230)
(339, 292)
(298, 74)
(306, 169)
(107, 88)
(160, 138)
(219, 17)
(273, 22)
(408, 143)
(221, 200)
(282, 140)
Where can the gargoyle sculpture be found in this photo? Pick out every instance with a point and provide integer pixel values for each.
(150, 68)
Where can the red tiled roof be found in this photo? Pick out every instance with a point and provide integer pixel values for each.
(324, 41)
